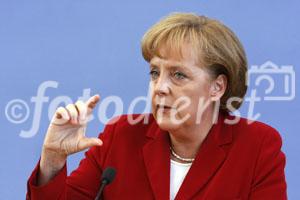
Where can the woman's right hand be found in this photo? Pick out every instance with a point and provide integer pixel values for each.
(65, 136)
(66, 133)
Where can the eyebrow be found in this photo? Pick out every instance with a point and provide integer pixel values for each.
(177, 66)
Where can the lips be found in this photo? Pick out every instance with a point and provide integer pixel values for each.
(158, 106)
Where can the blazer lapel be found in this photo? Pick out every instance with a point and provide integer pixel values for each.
(208, 160)
(156, 154)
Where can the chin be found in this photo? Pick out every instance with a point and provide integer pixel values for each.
(166, 124)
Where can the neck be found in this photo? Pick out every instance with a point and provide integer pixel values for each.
(187, 140)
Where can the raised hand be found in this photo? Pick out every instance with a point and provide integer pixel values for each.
(66, 133)
(65, 136)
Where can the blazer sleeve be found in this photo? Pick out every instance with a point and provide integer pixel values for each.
(269, 179)
(83, 183)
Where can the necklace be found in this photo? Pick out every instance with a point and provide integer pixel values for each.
(190, 160)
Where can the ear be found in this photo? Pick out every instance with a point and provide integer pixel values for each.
(218, 87)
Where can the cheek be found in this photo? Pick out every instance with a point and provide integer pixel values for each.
(153, 107)
(188, 108)
(151, 93)
(197, 101)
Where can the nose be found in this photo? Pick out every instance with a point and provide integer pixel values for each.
(162, 86)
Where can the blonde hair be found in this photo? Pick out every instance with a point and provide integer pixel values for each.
(218, 49)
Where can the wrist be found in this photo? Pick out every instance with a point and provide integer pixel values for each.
(52, 160)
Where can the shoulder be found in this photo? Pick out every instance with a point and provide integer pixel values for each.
(130, 125)
(132, 121)
(126, 133)
(262, 145)
(258, 145)
(255, 131)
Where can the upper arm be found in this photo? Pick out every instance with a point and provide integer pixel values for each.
(269, 179)
(84, 182)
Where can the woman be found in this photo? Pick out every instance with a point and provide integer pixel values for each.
(184, 149)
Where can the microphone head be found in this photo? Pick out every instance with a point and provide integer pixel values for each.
(108, 175)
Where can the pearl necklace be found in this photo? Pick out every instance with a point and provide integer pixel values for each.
(190, 160)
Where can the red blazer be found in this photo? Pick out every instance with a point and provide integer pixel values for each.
(238, 161)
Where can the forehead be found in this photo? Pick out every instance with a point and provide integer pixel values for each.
(183, 56)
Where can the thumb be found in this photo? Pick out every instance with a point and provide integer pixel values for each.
(85, 143)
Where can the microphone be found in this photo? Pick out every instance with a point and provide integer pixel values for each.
(107, 177)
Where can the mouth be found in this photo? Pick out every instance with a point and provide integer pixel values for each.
(165, 107)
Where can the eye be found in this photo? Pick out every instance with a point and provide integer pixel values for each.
(179, 75)
(154, 74)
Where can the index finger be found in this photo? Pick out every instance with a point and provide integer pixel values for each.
(92, 102)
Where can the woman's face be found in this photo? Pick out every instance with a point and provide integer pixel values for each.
(180, 89)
